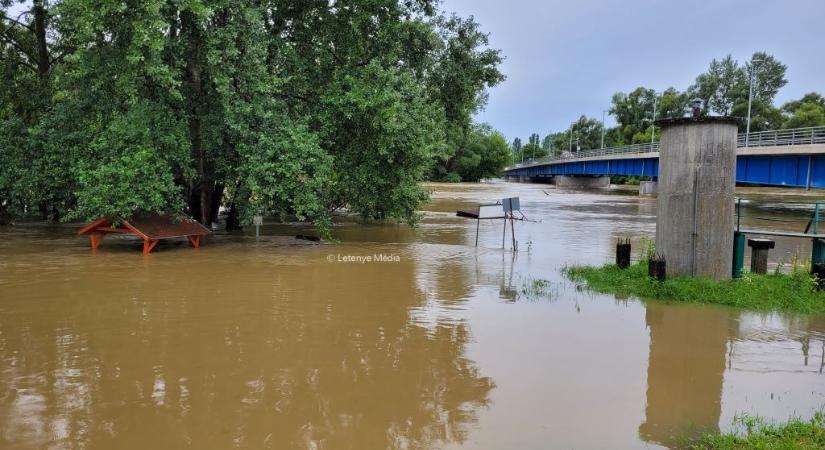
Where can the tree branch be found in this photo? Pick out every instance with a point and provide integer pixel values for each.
(5, 36)
(17, 22)
(60, 57)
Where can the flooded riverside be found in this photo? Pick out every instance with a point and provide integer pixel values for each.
(390, 337)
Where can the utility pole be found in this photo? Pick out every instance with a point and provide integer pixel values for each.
(750, 99)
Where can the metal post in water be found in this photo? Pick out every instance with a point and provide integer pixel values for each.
(738, 214)
(258, 220)
(504, 235)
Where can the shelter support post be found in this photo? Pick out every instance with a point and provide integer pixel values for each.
(195, 241)
(148, 245)
(95, 240)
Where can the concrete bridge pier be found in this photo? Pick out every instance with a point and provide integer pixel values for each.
(697, 176)
(581, 182)
(648, 188)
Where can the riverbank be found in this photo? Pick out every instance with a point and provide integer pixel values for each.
(792, 292)
(755, 433)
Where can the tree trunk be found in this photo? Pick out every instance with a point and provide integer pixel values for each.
(40, 23)
(233, 222)
(200, 202)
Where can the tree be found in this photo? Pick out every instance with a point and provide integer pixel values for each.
(726, 87)
(276, 107)
(587, 133)
(547, 143)
(462, 68)
(516, 145)
(484, 155)
(633, 113)
(720, 86)
(809, 111)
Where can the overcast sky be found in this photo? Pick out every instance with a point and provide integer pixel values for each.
(566, 58)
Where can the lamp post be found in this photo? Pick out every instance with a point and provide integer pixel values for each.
(653, 122)
(603, 129)
(750, 100)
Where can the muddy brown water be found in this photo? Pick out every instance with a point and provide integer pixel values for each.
(284, 344)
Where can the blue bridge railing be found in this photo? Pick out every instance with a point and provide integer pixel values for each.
(772, 138)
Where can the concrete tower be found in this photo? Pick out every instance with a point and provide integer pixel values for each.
(697, 177)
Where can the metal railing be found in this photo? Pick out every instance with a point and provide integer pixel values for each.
(774, 138)
(796, 136)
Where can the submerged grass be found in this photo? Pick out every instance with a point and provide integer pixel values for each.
(794, 291)
(755, 433)
(537, 288)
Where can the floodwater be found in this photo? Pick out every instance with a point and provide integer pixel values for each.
(282, 343)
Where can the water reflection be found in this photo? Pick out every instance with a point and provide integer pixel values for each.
(685, 373)
(254, 355)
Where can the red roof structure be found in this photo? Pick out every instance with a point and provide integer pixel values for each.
(150, 228)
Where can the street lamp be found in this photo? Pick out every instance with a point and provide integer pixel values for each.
(750, 100)
(604, 111)
(653, 122)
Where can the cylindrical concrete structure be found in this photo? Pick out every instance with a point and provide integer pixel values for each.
(697, 177)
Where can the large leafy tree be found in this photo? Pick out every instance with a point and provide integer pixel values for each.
(464, 67)
(484, 154)
(634, 113)
(273, 106)
(809, 111)
(726, 87)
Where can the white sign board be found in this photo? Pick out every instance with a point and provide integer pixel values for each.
(490, 212)
(258, 220)
(510, 204)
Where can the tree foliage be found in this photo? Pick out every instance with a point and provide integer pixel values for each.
(482, 155)
(289, 108)
(724, 90)
(809, 111)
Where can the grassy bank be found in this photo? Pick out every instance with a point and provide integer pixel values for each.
(755, 433)
(794, 291)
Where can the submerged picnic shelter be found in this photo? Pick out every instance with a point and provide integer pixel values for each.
(150, 228)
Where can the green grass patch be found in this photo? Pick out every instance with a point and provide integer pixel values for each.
(755, 433)
(794, 291)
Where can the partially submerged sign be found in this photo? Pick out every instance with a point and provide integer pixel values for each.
(511, 204)
(500, 210)
(490, 212)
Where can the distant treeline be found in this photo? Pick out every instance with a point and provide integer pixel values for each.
(724, 89)
(282, 107)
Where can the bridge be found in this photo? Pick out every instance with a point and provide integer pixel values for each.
(794, 157)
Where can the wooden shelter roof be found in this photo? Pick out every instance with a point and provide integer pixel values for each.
(152, 226)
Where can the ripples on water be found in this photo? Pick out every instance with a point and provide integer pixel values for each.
(276, 344)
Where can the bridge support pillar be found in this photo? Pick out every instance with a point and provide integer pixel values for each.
(695, 217)
(648, 188)
(581, 182)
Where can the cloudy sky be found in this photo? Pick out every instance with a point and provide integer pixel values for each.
(566, 58)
